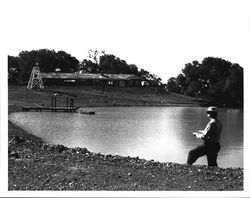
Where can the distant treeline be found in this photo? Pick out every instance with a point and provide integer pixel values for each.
(214, 78)
(20, 66)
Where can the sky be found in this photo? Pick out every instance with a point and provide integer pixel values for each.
(160, 36)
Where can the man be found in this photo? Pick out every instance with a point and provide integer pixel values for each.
(211, 136)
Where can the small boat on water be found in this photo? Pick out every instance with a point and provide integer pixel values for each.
(86, 112)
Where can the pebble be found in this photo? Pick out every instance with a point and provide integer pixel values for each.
(14, 155)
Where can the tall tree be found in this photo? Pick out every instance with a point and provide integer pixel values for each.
(66, 63)
(172, 85)
(150, 79)
(133, 69)
(94, 56)
(27, 62)
(111, 64)
(87, 66)
(234, 85)
(214, 78)
(47, 60)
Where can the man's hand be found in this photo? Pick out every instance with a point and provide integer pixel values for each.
(198, 134)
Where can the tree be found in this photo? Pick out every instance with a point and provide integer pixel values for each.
(87, 66)
(190, 71)
(234, 85)
(192, 88)
(109, 63)
(100, 62)
(94, 56)
(133, 69)
(150, 79)
(27, 62)
(13, 69)
(181, 81)
(47, 60)
(213, 78)
(172, 85)
(66, 63)
(50, 61)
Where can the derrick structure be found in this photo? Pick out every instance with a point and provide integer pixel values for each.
(35, 79)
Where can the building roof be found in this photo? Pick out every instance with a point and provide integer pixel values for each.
(90, 76)
(122, 77)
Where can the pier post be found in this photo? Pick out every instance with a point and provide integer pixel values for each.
(71, 104)
(67, 102)
(55, 101)
(52, 101)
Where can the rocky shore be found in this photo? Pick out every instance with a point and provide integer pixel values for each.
(35, 165)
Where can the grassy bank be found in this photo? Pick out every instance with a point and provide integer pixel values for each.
(94, 96)
(35, 165)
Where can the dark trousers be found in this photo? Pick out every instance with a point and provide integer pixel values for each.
(209, 149)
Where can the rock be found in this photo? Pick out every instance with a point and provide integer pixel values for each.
(16, 140)
(14, 155)
(58, 148)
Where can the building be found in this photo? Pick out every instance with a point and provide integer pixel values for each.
(119, 80)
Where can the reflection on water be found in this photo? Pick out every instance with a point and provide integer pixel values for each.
(159, 133)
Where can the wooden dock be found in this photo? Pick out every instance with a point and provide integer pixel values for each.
(52, 109)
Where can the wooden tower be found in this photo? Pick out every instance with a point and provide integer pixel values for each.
(35, 79)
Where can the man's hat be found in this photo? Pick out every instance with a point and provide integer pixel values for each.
(212, 109)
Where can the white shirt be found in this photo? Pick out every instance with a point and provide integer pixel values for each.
(211, 132)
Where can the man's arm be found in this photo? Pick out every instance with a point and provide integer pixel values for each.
(212, 129)
(200, 134)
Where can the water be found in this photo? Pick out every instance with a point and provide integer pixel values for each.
(160, 133)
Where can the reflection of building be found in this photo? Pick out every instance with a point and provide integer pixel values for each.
(119, 80)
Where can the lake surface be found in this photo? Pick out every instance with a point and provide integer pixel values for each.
(160, 133)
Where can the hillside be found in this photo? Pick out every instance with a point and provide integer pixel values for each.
(94, 96)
